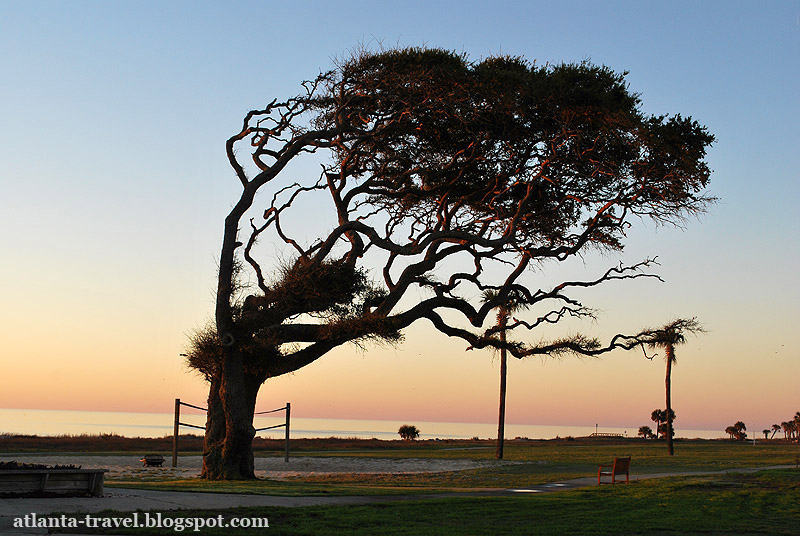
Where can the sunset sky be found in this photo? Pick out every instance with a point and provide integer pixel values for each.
(114, 185)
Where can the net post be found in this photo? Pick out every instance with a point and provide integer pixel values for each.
(288, 410)
(175, 433)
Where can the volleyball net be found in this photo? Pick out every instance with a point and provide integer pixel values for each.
(258, 420)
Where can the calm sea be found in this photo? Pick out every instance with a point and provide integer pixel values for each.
(56, 422)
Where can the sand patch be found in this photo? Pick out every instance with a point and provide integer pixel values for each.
(127, 467)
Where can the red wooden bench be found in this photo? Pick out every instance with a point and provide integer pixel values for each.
(621, 466)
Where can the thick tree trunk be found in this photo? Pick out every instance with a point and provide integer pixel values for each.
(215, 431)
(228, 448)
(670, 351)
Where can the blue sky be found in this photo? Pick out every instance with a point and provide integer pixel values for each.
(114, 185)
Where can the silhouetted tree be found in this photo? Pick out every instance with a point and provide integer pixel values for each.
(646, 432)
(741, 429)
(788, 429)
(791, 429)
(738, 431)
(665, 431)
(796, 427)
(667, 338)
(775, 429)
(658, 416)
(504, 311)
(440, 179)
(408, 432)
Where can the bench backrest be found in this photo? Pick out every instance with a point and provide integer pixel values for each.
(622, 465)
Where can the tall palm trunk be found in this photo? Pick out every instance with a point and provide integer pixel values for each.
(510, 304)
(667, 337)
(502, 413)
(670, 351)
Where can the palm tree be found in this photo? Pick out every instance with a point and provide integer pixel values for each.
(731, 431)
(658, 416)
(797, 425)
(511, 305)
(668, 337)
(740, 430)
(775, 429)
(788, 428)
(765, 431)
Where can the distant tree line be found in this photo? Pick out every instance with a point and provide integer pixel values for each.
(791, 428)
(737, 431)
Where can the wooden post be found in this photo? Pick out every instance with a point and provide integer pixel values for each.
(288, 410)
(175, 433)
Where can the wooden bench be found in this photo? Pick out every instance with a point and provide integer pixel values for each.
(153, 460)
(621, 466)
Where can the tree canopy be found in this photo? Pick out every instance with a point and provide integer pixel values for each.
(447, 179)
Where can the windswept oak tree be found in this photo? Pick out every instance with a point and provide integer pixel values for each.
(442, 179)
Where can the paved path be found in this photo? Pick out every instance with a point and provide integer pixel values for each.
(130, 500)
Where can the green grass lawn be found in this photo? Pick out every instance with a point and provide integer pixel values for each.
(533, 463)
(765, 503)
(649, 455)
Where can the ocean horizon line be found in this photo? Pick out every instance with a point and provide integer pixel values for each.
(43, 422)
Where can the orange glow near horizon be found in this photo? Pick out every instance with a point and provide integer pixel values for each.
(428, 378)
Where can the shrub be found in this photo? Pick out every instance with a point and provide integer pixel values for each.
(408, 432)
